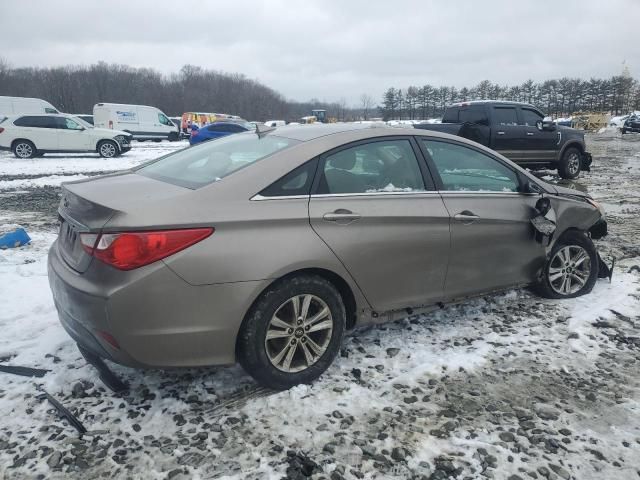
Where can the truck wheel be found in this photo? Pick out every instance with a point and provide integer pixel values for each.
(108, 149)
(24, 149)
(571, 269)
(173, 137)
(293, 332)
(570, 164)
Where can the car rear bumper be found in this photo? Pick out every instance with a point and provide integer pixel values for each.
(149, 317)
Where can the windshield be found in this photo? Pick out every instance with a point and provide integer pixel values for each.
(211, 161)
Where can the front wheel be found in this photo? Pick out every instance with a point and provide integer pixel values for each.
(570, 164)
(173, 137)
(571, 269)
(108, 149)
(293, 332)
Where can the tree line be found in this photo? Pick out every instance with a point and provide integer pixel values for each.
(560, 97)
(75, 89)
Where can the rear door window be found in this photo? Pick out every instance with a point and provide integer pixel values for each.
(473, 114)
(375, 167)
(505, 116)
(36, 121)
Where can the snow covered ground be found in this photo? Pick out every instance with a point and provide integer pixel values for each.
(508, 386)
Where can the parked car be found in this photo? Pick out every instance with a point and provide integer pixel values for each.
(86, 118)
(631, 124)
(141, 121)
(19, 105)
(519, 132)
(218, 129)
(29, 136)
(264, 247)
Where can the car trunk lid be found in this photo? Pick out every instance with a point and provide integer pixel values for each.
(86, 207)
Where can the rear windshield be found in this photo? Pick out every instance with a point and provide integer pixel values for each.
(211, 161)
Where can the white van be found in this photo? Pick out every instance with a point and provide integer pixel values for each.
(24, 105)
(141, 121)
(275, 123)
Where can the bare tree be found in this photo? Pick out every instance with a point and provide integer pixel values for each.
(367, 103)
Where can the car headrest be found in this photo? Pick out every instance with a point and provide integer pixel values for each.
(344, 160)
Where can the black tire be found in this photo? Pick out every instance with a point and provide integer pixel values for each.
(108, 149)
(570, 164)
(251, 346)
(24, 149)
(575, 240)
(173, 137)
(623, 131)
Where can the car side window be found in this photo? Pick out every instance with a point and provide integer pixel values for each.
(530, 117)
(473, 114)
(164, 120)
(64, 123)
(505, 116)
(463, 169)
(375, 167)
(297, 182)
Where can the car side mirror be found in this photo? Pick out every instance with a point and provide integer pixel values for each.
(531, 187)
(545, 126)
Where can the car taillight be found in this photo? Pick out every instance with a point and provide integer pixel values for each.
(130, 250)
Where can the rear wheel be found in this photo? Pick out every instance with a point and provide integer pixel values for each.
(571, 269)
(24, 149)
(108, 149)
(570, 164)
(293, 332)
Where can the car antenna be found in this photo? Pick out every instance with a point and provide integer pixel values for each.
(262, 129)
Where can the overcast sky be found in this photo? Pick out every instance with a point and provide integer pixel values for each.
(332, 49)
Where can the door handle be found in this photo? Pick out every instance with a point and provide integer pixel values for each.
(341, 216)
(500, 133)
(530, 134)
(466, 217)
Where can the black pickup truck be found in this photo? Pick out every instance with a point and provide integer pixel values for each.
(519, 132)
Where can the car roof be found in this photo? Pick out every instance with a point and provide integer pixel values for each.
(497, 102)
(305, 133)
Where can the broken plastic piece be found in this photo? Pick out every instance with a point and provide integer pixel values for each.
(24, 371)
(65, 413)
(605, 271)
(109, 378)
(13, 237)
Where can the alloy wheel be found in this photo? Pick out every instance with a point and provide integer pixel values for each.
(573, 163)
(24, 150)
(107, 150)
(569, 270)
(299, 333)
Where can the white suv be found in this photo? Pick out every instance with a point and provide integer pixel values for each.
(29, 136)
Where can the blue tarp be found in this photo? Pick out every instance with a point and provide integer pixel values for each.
(14, 238)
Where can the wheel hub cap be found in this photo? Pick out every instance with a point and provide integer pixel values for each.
(299, 333)
(569, 270)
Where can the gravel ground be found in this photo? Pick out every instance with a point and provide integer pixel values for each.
(508, 386)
